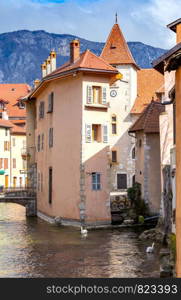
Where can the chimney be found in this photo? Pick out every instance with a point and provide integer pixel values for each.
(5, 115)
(48, 65)
(74, 50)
(53, 60)
(44, 69)
(176, 27)
(36, 82)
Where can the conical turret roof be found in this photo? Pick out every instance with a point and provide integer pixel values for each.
(116, 50)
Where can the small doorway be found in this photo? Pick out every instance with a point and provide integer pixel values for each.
(14, 181)
(121, 181)
(6, 181)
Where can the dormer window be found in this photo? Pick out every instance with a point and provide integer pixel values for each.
(21, 105)
(113, 46)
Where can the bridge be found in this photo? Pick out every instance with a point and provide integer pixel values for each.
(25, 197)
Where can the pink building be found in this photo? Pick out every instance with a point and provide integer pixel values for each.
(68, 125)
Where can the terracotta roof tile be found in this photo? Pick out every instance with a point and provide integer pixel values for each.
(5, 123)
(116, 50)
(149, 119)
(149, 82)
(19, 130)
(11, 93)
(87, 60)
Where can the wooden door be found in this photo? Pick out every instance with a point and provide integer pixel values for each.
(14, 181)
(6, 181)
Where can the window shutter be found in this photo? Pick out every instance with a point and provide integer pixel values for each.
(50, 137)
(104, 95)
(105, 134)
(50, 102)
(88, 129)
(89, 94)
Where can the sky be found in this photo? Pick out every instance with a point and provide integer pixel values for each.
(140, 20)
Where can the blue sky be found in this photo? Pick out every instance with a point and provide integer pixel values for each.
(140, 20)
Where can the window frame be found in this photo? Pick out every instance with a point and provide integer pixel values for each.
(96, 181)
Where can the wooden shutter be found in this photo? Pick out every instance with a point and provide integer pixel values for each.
(88, 133)
(5, 163)
(89, 94)
(50, 102)
(104, 95)
(1, 163)
(38, 143)
(51, 137)
(105, 133)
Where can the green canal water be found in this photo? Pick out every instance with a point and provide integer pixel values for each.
(33, 248)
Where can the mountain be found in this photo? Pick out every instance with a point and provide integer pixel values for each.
(23, 51)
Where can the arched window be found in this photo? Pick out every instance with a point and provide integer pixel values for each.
(133, 153)
(114, 124)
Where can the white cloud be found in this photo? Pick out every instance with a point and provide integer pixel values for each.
(140, 20)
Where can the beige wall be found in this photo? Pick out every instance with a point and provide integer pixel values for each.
(148, 168)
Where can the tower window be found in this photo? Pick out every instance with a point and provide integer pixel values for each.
(114, 124)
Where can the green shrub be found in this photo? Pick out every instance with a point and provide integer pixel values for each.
(134, 195)
(172, 242)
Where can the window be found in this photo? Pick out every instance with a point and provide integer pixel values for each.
(14, 163)
(24, 164)
(42, 141)
(50, 185)
(140, 143)
(114, 156)
(21, 105)
(96, 181)
(96, 95)
(133, 180)
(133, 153)
(96, 133)
(5, 163)
(41, 110)
(38, 143)
(50, 137)
(50, 102)
(122, 181)
(114, 124)
(6, 146)
(6, 131)
(14, 142)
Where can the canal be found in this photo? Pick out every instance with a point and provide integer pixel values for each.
(34, 248)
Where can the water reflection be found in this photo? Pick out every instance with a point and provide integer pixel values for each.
(33, 248)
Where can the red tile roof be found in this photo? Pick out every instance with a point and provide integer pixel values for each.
(11, 93)
(5, 123)
(149, 82)
(149, 119)
(87, 60)
(116, 50)
(19, 130)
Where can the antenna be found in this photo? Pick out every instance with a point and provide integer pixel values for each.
(116, 18)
